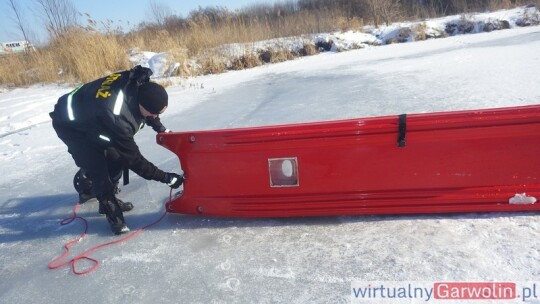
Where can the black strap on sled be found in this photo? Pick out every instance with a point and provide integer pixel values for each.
(125, 175)
(402, 130)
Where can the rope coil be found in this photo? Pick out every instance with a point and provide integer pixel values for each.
(57, 263)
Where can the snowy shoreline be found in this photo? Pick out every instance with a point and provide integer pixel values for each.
(405, 32)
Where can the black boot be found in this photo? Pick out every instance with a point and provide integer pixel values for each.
(85, 197)
(83, 185)
(124, 206)
(113, 212)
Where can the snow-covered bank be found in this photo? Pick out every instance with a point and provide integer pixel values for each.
(164, 65)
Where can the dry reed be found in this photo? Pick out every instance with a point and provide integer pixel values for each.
(84, 54)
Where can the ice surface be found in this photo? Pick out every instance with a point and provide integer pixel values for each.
(189, 259)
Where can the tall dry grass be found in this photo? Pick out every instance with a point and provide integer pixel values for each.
(202, 33)
(82, 55)
(78, 56)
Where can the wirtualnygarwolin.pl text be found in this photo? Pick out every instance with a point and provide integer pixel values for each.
(444, 292)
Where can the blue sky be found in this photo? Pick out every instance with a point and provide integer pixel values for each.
(120, 11)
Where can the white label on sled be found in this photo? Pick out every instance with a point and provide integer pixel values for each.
(522, 199)
(283, 172)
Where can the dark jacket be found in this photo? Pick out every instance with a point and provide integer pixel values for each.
(107, 112)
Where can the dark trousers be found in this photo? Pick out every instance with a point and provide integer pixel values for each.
(102, 165)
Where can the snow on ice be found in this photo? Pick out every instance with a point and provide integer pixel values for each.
(187, 259)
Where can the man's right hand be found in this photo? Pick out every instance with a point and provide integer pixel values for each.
(173, 180)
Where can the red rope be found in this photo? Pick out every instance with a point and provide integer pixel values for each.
(56, 263)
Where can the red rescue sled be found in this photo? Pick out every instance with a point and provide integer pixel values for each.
(466, 161)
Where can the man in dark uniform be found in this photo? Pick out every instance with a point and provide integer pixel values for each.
(97, 122)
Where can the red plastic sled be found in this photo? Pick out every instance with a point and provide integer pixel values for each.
(466, 161)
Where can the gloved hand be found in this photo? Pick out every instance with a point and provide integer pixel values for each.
(155, 123)
(173, 180)
(140, 74)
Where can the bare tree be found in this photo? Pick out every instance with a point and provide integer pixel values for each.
(17, 17)
(383, 9)
(159, 12)
(390, 10)
(59, 15)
